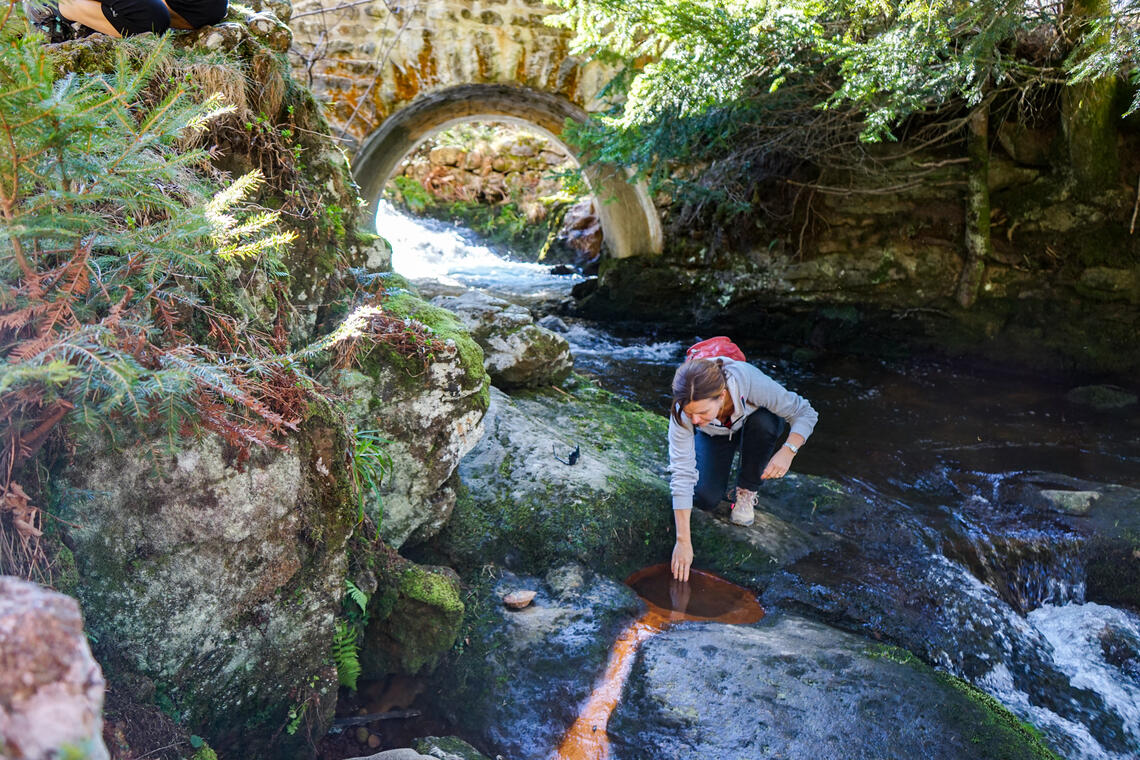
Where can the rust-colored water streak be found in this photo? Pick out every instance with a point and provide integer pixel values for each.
(704, 597)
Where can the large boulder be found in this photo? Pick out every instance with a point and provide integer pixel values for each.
(792, 688)
(522, 504)
(516, 685)
(211, 584)
(430, 410)
(51, 688)
(517, 352)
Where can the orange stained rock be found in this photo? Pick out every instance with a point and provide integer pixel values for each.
(704, 597)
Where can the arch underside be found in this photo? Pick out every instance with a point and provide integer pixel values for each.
(629, 220)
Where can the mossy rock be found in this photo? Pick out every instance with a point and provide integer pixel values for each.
(429, 406)
(415, 622)
(521, 505)
(217, 580)
(517, 353)
(447, 748)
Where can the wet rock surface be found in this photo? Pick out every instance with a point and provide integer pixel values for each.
(51, 688)
(1104, 519)
(1102, 397)
(518, 683)
(793, 688)
(954, 588)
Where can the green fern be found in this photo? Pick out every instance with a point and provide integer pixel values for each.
(355, 594)
(346, 654)
(371, 464)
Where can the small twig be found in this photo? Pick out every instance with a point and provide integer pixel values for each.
(940, 164)
(331, 10)
(807, 222)
(564, 393)
(161, 749)
(1135, 208)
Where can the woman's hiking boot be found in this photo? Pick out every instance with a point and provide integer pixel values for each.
(44, 15)
(744, 508)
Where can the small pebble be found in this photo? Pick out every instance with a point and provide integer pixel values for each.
(374, 741)
(363, 735)
(517, 600)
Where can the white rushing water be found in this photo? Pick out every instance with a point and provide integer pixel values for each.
(591, 342)
(1095, 645)
(434, 253)
(428, 250)
(1098, 648)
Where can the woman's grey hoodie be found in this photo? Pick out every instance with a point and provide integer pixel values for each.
(750, 389)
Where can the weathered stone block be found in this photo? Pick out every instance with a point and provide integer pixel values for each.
(51, 688)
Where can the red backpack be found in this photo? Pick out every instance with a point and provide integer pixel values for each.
(714, 347)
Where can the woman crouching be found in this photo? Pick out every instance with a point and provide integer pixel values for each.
(720, 406)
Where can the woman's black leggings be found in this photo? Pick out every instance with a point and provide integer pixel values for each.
(759, 438)
(142, 16)
(137, 16)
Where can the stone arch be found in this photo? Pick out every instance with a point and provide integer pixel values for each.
(629, 219)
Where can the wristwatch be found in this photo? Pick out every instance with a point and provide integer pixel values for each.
(795, 449)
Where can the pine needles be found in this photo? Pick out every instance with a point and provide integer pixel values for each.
(114, 253)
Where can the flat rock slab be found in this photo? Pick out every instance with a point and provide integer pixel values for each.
(793, 688)
(396, 754)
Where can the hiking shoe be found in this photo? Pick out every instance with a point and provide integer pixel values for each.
(744, 510)
(44, 15)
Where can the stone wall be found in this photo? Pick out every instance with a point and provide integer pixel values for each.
(369, 60)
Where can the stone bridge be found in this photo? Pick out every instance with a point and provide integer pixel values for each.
(396, 72)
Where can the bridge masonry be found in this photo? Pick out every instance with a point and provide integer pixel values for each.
(368, 60)
(395, 72)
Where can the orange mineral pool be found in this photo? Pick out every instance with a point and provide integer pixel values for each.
(704, 597)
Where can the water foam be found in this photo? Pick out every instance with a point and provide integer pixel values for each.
(1077, 634)
(428, 249)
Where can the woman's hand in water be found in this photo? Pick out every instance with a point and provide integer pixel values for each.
(679, 593)
(682, 560)
(779, 464)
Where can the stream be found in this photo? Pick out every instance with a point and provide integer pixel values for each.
(951, 564)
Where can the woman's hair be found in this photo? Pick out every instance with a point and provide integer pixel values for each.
(697, 380)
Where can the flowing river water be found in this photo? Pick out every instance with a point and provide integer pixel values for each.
(941, 450)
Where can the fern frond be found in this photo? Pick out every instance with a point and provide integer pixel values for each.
(353, 592)
(346, 654)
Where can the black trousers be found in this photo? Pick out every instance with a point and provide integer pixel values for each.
(762, 434)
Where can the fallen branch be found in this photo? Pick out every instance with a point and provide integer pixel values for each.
(361, 720)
